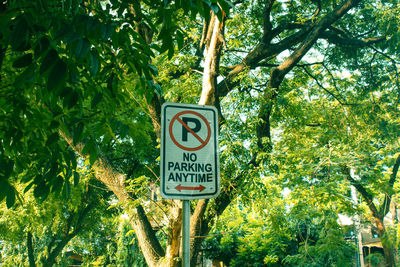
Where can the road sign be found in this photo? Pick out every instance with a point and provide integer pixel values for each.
(189, 151)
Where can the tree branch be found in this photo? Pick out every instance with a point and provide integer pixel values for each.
(394, 171)
(385, 208)
(309, 41)
(394, 64)
(115, 180)
(307, 35)
(323, 87)
(336, 38)
(267, 21)
(29, 245)
(360, 188)
(56, 251)
(263, 130)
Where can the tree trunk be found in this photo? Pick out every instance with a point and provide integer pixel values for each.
(71, 232)
(50, 260)
(214, 41)
(388, 250)
(29, 245)
(389, 256)
(174, 235)
(393, 211)
(148, 242)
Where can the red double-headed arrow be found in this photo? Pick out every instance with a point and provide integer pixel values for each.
(180, 188)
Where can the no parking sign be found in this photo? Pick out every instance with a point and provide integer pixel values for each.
(189, 151)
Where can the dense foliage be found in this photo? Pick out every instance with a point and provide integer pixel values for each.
(308, 97)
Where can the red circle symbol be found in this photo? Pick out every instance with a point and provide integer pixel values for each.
(202, 142)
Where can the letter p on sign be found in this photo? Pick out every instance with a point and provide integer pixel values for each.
(186, 129)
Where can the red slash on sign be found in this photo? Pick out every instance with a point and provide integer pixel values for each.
(180, 188)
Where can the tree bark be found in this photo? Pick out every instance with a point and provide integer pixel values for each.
(198, 228)
(29, 245)
(388, 249)
(50, 260)
(214, 42)
(174, 234)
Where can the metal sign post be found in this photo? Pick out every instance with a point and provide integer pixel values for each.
(189, 160)
(186, 233)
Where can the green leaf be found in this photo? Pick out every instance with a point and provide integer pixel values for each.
(94, 66)
(10, 197)
(215, 9)
(90, 149)
(48, 61)
(78, 130)
(71, 99)
(41, 191)
(164, 46)
(71, 36)
(73, 159)
(106, 31)
(57, 75)
(93, 154)
(23, 61)
(6, 167)
(158, 89)
(57, 184)
(82, 48)
(88, 146)
(52, 138)
(226, 6)
(76, 178)
(54, 124)
(180, 39)
(53, 170)
(171, 51)
(92, 24)
(66, 192)
(42, 46)
(123, 130)
(96, 100)
(29, 186)
(4, 188)
(26, 77)
(19, 35)
(153, 69)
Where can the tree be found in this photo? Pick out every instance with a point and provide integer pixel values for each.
(337, 147)
(260, 235)
(275, 227)
(40, 230)
(80, 78)
(112, 242)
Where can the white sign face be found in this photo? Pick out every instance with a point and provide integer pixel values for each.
(189, 151)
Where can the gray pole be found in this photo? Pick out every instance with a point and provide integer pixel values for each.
(357, 230)
(186, 234)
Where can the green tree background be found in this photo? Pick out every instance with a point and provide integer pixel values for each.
(307, 93)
